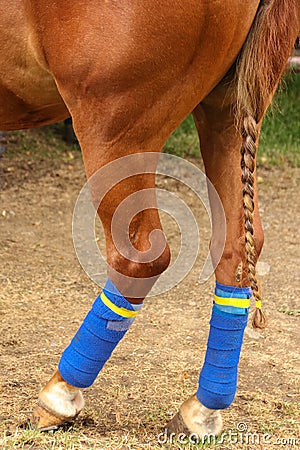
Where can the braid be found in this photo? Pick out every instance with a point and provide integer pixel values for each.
(248, 153)
(258, 69)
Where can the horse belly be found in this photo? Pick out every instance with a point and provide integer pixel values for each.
(28, 93)
(17, 112)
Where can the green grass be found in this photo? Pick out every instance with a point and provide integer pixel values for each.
(280, 136)
(34, 439)
(290, 312)
(184, 141)
(39, 143)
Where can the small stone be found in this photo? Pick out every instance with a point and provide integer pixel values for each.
(263, 268)
(260, 180)
(252, 334)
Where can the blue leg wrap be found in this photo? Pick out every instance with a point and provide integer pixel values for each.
(218, 377)
(104, 326)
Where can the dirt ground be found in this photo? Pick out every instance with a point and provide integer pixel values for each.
(45, 294)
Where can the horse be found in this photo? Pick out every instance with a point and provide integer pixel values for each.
(128, 73)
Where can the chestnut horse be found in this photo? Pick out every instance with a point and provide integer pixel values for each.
(128, 73)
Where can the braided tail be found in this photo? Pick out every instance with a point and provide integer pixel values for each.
(248, 152)
(259, 67)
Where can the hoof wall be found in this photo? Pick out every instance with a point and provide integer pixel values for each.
(44, 419)
(177, 426)
(194, 419)
(58, 404)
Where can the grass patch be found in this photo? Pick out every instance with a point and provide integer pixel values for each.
(184, 142)
(290, 312)
(33, 439)
(39, 143)
(280, 137)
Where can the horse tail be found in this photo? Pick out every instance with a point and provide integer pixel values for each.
(259, 67)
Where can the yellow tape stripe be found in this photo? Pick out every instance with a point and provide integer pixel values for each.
(258, 304)
(123, 312)
(237, 302)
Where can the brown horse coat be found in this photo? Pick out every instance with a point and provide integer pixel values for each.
(161, 55)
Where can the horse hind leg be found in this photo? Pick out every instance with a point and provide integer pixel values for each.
(258, 72)
(220, 146)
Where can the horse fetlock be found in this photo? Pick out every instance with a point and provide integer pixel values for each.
(58, 402)
(194, 418)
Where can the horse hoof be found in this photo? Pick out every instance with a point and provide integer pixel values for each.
(45, 420)
(58, 403)
(193, 418)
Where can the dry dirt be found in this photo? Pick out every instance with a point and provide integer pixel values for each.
(45, 295)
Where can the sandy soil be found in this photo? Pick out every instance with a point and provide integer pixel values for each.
(45, 294)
